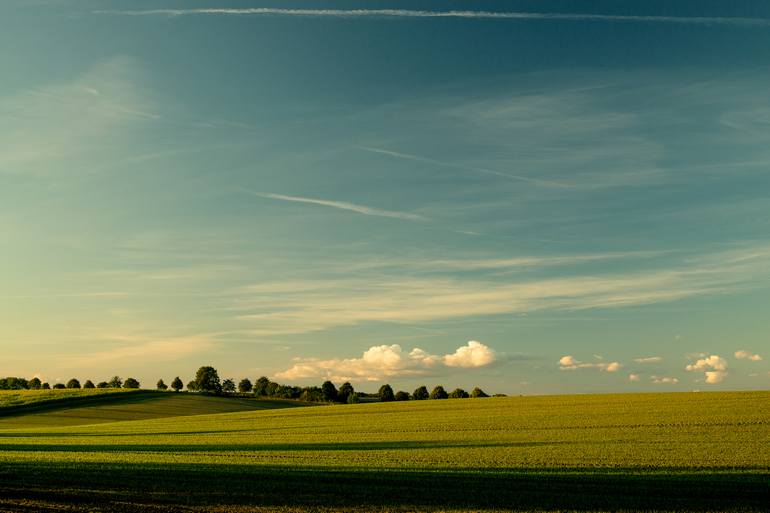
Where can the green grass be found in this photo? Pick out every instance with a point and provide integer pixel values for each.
(12, 399)
(97, 408)
(652, 452)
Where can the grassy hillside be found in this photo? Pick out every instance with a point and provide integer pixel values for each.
(90, 407)
(13, 399)
(684, 452)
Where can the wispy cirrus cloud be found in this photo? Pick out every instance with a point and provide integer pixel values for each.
(407, 156)
(133, 349)
(51, 127)
(649, 359)
(482, 264)
(342, 205)
(303, 306)
(408, 13)
(664, 380)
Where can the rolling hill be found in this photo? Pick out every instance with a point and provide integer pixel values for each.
(651, 452)
(80, 407)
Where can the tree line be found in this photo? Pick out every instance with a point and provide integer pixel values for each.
(13, 383)
(207, 380)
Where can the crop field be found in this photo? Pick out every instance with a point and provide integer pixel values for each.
(16, 398)
(632, 452)
(91, 408)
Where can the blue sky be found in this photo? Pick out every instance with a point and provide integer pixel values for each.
(534, 197)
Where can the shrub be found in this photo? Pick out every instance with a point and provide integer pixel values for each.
(116, 382)
(477, 392)
(73, 383)
(88, 384)
(420, 394)
(386, 393)
(45, 386)
(245, 386)
(402, 396)
(59, 386)
(353, 398)
(161, 385)
(131, 383)
(439, 393)
(192, 386)
(34, 384)
(102, 384)
(177, 384)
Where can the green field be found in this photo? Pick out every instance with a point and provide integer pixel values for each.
(98, 408)
(22, 398)
(651, 452)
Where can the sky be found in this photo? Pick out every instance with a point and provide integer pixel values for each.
(534, 197)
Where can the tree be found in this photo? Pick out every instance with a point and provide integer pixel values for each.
(161, 385)
(116, 382)
(420, 394)
(34, 383)
(177, 384)
(245, 386)
(273, 389)
(477, 392)
(207, 379)
(458, 393)
(73, 383)
(228, 386)
(12, 383)
(102, 384)
(402, 396)
(345, 390)
(46, 386)
(130, 383)
(88, 384)
(353, 398)
(192, 386)
(312, 395)
(439, 393)
(386, 393)
(59, 386)
(329, 391)
(260, 386)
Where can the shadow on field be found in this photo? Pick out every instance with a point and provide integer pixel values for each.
(132, 397)
(125, 487)
(292, 447)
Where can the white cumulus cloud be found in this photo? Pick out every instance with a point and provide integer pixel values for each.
(388, 361)
(714, 368)
(633, 377)
(664, 380)
(747, 355)
(713, 377)
(570, 363)
(474, 354)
